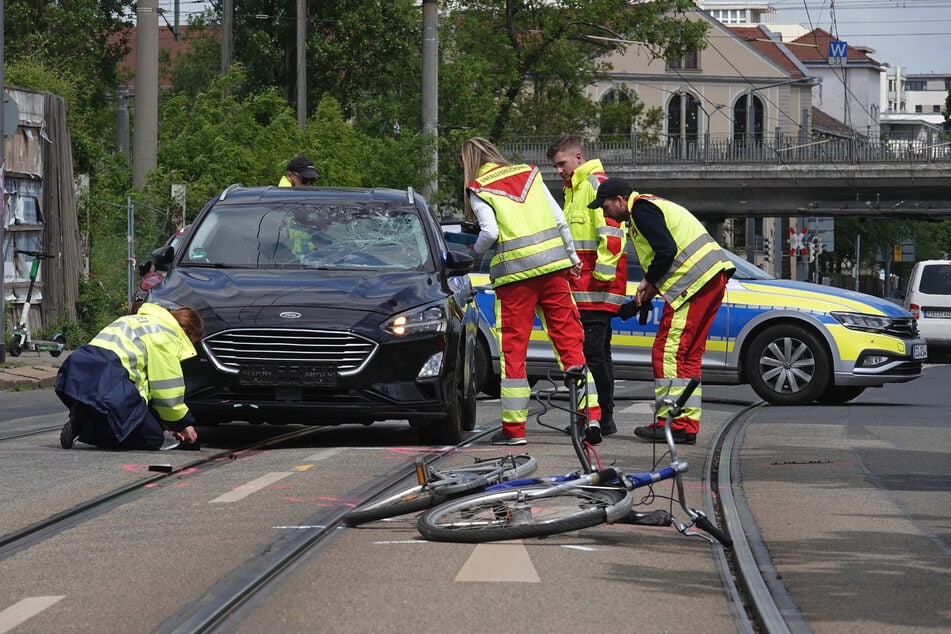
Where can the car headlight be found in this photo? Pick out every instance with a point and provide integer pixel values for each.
(866, 323)
(426, 319)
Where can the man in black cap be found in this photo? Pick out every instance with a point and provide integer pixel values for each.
(684, 265)
(300, 173)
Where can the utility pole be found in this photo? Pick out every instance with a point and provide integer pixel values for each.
(430, 104)
(3, 202)
(301, 64)
(145, 141)
(227, 28)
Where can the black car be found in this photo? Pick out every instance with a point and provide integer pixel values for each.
(325, 306)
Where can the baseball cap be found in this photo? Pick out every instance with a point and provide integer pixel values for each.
(609, 189)
(303, 166)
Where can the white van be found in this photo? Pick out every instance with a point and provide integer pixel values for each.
(928, 298)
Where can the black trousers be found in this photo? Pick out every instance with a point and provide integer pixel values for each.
(597, 354)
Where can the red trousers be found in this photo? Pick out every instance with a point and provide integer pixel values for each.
(515, 308)
(678, 349)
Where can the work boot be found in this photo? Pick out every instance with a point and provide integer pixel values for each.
(72, 428)
(655, 433)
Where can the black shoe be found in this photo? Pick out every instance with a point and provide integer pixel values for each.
(72, 428)
(592, 433)
(655, 433)
(502, 438)
(608, 428)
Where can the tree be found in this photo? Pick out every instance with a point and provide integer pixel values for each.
(78, 43)
(521, 60)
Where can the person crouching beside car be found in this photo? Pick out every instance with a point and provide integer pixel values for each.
(125, 388)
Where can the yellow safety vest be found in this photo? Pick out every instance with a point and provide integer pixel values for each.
(151, 346)
(699, 258)
(529, 244)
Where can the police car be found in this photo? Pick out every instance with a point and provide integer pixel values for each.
(792, 342)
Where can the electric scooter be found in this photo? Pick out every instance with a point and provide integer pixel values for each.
(21, 340)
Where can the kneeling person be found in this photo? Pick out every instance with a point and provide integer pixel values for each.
(125, 388)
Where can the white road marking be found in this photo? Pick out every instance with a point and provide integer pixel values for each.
(25, 609)
(245, 490)
(574, 547)
(323, 454)
(642, 407)
(500, 562)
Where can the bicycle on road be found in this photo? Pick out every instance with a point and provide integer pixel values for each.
(435, 486)
(520, 509)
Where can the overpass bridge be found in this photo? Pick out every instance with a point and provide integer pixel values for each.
(726, 180)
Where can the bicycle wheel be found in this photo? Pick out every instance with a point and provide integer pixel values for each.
(521, 512)
(445, 484)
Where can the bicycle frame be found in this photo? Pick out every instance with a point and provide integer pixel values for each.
(615, 477)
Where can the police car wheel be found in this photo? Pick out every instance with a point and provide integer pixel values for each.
(788, 364)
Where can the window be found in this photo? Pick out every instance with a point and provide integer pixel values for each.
(936, 109)
(918, 108)
(741, 117)
(689, 128)
(916, 85)
(690, 61)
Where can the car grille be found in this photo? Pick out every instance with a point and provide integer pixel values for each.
(232, 349)
(904, 327)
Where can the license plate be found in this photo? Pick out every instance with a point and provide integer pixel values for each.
(288, 374)
(920, 351)
(938, 314)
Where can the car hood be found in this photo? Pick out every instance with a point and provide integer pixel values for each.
(242, 298)
(809, 296)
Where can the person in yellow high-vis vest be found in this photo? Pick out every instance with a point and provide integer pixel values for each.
(684, 265)
(125, 389)
(601, 287)
(300, 172)
(533, 258)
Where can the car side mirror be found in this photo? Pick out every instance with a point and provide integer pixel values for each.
(162, 257)
(458, 263)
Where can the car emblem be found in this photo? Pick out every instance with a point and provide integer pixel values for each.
(290, 315)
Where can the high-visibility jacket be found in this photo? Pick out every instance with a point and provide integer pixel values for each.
(143, 370)
(599, 242)
(285, 182)
(699, 258)
(529, 243)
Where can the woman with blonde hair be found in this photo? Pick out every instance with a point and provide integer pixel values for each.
(534, 255)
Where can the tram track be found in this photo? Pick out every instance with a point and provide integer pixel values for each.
(37, 532)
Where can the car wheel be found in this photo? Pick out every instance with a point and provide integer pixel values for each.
(838, 395)
(788, 365)
(486, 379)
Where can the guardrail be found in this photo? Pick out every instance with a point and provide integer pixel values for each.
(704, 150)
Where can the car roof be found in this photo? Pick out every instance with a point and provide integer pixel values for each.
(380, 195)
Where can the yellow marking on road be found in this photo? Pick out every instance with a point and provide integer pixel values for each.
(303, 467)
(508, 561)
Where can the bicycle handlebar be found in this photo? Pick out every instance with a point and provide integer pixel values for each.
(704, 524)
(35, 254)
(682, 399)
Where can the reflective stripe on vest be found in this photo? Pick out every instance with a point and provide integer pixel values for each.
(529, 243)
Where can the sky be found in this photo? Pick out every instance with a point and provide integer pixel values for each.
(915, 34)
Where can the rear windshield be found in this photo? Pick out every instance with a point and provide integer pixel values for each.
(936, 279)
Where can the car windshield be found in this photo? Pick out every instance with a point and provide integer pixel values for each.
(309, 236)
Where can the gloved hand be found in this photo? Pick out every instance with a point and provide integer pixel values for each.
(627, 310)
(644, 313)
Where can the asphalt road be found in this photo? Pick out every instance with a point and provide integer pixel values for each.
(851, 501)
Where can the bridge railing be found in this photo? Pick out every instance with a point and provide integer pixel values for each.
(702, 150)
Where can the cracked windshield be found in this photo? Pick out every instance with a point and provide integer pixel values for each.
(309, 236)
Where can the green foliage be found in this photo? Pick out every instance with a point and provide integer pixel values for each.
(71, 49)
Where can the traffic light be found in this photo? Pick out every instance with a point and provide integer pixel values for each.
(767, 249)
